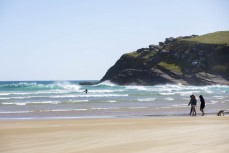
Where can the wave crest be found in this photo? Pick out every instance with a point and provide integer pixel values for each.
(106, 83)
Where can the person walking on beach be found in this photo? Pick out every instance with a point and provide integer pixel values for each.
(193, 102)
(85, 91)
(189, 104)
(202, 104)
(193, 105)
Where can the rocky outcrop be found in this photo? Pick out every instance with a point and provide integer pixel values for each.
(176, 60)
(89, 83)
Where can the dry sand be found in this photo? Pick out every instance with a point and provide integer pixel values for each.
(208, 134)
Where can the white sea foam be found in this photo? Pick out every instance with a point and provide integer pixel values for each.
(168, 93)
(213, 102)
(72, 87)
(98, 108)
(217, 86)
(192, 89)
(185, 93)
(218, 97)
(34, 93)
(4, 98)
(88, 95)
(50, 92)
(66, 96)
(146, 99)
(137, 88)
(112, 101)
(106, 83)
(75, 101)
(15, 112)
(22, 97)
(44, 102)
(208, 91)
(26, 103)
(21, 93)
(186, 99)
(13, 103)
(169, 98)
(65, 85)
(4, 94)
(104, 91)
(27, 97)
(179, 105)
(169, 87)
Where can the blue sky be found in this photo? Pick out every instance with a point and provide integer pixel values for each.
(82, 39)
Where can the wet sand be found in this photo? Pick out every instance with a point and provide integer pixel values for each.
(208, 134)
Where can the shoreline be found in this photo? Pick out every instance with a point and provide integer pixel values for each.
(104, 117)
(124, 135)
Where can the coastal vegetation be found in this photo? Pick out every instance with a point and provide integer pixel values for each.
(220, 37)
(170, 67)
(194, 60)
(132, 54)
(149, 55)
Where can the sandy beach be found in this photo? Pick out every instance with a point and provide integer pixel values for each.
(116, 135)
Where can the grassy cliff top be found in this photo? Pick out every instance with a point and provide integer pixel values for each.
(144, 55)
(220, 37)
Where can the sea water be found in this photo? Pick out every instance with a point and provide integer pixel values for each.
(67, 99)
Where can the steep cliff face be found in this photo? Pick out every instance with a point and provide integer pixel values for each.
(197, 60)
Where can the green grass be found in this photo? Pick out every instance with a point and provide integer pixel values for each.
(170, 67)
(149, 55)
(220, 37)
(136, 54)
(133, 54)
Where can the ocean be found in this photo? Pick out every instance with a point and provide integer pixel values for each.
(67, 99)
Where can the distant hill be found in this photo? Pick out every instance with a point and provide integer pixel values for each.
(196, 60)
(221, 37)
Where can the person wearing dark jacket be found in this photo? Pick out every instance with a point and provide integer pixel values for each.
(189, 104)
(202, 104)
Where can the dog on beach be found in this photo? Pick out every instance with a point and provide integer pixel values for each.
(221, 112)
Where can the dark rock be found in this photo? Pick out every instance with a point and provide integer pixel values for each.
(142, 50)
(184, 62)
(89, 83)
(203, 78)
(195, 36)
(154, 47)
(169, 40)
(161, 43)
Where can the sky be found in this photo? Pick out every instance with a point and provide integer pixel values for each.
(82, 39)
